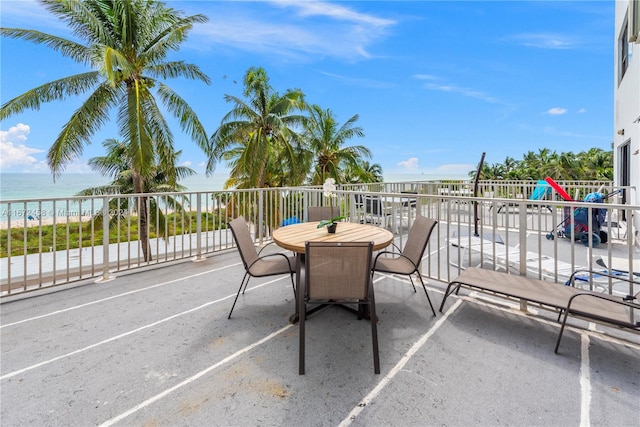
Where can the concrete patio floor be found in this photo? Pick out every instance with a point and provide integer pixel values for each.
(155, 348)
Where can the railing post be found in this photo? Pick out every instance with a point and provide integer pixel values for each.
(260, 215)
(105, 242)
(522, 225)
(199, 256)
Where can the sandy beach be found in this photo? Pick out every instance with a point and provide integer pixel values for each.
(40, 222)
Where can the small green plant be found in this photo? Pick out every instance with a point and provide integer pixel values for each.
(326, 222)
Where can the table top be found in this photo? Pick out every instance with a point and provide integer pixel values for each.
(293, 237)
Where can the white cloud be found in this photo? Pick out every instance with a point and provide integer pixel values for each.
(557, 111)
(77, 166)
(17, 13)
(359, 81)
(335, 11)
(424, 77)
(13, 151)
(546, 41)
(317, 29)
(472, 93)
(582, 110)
(186, 163)
(410, 164)
(455, 168)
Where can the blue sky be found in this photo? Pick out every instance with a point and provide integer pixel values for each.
(435, 83)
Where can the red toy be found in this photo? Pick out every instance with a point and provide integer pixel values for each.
(565, 196)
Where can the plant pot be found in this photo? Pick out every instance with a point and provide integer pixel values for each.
(332, 227)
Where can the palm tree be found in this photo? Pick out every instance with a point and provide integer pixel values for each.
(510, 168)
(326, 138)
(597, 163)
(256, 129)
(163, 178)
(364, 172)
(126, 45)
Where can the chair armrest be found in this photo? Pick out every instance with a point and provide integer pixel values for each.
(398, 255)
(272, 255)
(395, 246)
(263, 248)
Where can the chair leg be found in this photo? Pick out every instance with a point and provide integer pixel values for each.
(374, 332)
(426, 293)
(246, 276)
(413, 284)
(449, 291)
(303, 315)
(245, 286)
(293, 286)
(564, 322)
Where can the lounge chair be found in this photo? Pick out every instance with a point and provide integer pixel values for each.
(509, 259)
(375, 211)
(619, 311)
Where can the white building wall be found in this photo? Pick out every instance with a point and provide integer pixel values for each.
(627, 105)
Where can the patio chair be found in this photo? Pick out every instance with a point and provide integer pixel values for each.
(318, 213)
(375, 211)
(256, 265)
(407, 262)
(338, 273)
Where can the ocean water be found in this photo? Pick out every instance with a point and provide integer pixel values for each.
(20, 186)
(39, 185)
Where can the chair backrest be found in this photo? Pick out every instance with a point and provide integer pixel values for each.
(410, 202)
(318, 213)
(373, 205)
(241, 235)
(418, 238)
(338, 270)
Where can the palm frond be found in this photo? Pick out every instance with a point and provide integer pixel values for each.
(68, 48)
(53, 91)
(77, 132)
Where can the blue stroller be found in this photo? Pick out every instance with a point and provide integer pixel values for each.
(576, 226)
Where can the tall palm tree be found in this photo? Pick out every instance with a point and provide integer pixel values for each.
(126, 43)
(326, 139)
(163, 178)
(256, 129)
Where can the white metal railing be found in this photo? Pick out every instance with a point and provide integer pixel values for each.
(62, 240)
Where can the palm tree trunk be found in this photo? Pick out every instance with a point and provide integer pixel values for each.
(143, 217)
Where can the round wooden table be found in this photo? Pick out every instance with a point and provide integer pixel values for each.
(293, 238)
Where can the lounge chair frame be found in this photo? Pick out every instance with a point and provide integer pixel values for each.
(565, 300)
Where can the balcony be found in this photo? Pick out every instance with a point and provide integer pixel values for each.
(149, 342)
